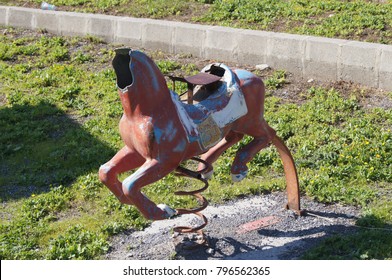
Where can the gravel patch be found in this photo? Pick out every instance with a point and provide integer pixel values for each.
(285, 236)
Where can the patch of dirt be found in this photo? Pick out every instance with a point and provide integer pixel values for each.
(285, 235)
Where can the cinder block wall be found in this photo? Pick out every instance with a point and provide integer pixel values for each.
(305, 56)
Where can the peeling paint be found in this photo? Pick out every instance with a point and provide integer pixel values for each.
(180, 146)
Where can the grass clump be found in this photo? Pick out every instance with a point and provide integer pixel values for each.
(358, 20)
(77, 243)
(366, 245)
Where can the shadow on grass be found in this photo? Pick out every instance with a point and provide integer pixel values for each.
(41, 146)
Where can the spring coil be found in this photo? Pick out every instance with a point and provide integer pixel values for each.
(182, 171)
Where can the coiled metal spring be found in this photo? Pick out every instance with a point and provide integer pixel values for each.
(182, 171)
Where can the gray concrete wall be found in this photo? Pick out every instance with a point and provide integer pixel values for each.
(305, 56)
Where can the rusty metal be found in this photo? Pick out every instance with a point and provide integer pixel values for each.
(201, 79)
(182, 171)
(292, 184)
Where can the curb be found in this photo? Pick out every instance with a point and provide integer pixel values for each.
(325, 59)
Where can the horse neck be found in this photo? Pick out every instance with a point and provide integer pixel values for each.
(136, 103)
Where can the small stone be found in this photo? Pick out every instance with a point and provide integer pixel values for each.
(262, 67)
(210, 251)
(200, 237)
(310, 80)
(193, 237)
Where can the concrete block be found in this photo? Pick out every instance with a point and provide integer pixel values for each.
(385, 70)
(252, 46)
(20, 17)
(222, 44)
(286, 51)
(72, 24)
(3, 15)
(129, 32)
(322, 57)
(158, 35)
(358, 63)
(102, 26)
(189, 38)
(45, 20)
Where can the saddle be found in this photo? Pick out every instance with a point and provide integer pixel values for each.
(220, 102)
(201, 85)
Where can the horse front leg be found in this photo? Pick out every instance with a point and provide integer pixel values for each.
(126, 159)
(151, 171)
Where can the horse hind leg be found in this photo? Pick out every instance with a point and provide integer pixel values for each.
(263, 135)
(239, 169)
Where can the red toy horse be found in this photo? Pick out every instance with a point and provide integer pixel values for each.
(160, 131)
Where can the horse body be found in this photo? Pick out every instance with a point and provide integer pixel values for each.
(160, 132)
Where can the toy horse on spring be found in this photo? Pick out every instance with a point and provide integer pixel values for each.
(160, 131)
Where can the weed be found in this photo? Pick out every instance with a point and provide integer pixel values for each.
(46, 205)
(277, 80)
(77, 243)
(167, 66)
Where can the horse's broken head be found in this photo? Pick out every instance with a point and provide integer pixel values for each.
(134, 68)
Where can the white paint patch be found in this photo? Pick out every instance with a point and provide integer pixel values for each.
(187, 122)
(105, 168)
(235, 109)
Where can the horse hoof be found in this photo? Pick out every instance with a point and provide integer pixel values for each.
(239, 177)
(169, 211)
(207, 175)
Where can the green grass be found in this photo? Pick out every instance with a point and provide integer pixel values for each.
(59, 121)
(344, 19)
(358, 20)
(367, 245)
